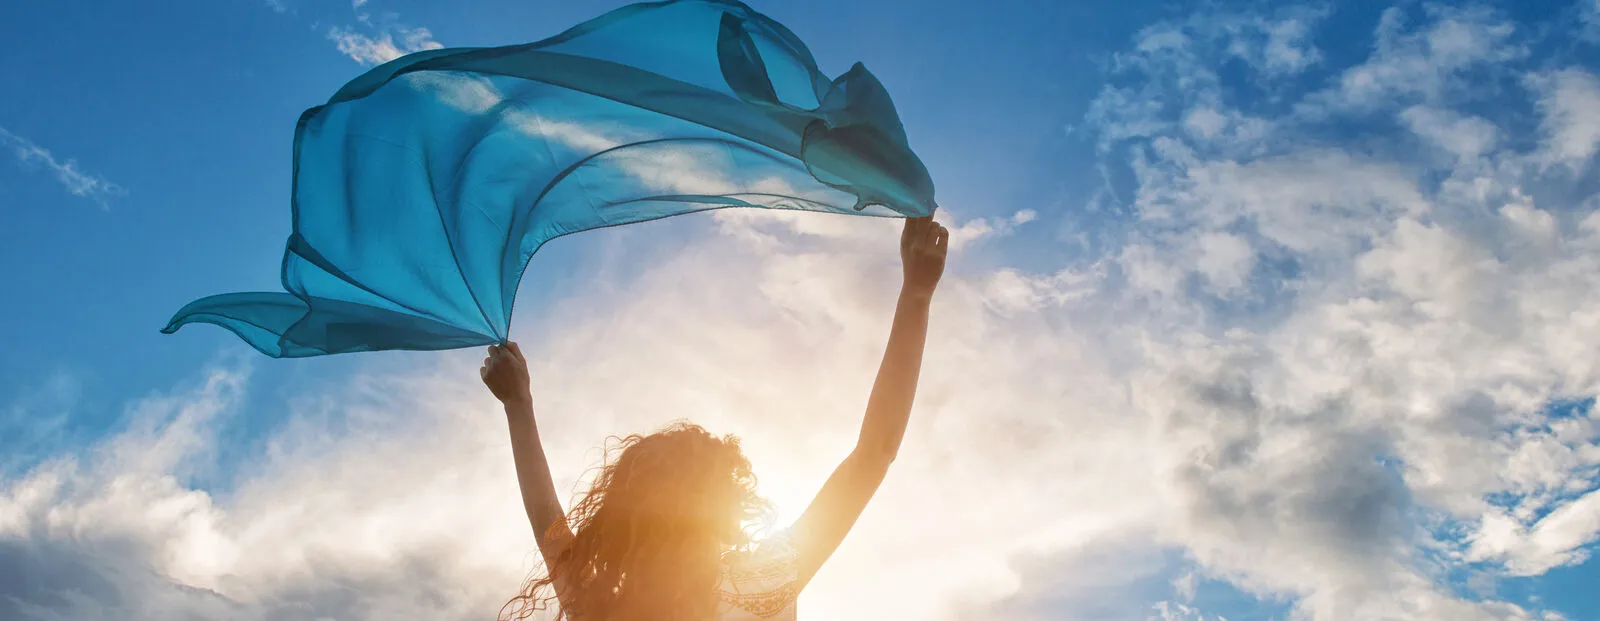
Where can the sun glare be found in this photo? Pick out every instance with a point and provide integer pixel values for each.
(786, 486)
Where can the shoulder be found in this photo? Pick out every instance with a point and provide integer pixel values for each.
(760, 584)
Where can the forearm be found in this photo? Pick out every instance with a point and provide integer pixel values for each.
(889, 407)
(539, 497)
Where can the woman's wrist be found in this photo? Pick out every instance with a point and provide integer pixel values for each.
(921, 295)
(518, 405)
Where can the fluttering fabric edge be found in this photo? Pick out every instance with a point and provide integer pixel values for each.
(277, 343)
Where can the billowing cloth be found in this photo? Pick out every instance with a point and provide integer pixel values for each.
(422, 188)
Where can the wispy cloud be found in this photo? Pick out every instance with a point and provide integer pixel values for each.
(36, 423)
(1570, 100)
(978, 229)
(375, 39)
(390, 43)
(1588, 19)
(75, 180)
(1415, 63)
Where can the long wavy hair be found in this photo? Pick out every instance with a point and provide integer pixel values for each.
(649, 535)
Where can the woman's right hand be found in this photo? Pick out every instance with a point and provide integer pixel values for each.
(923, 246)
(505, 372)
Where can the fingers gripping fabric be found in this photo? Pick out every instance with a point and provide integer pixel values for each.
(422, 188)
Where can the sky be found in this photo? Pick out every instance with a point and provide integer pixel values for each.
(1254, 311)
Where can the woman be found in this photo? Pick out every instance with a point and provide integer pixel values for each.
(659, 535)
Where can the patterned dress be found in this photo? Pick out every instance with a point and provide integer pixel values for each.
(760, 585)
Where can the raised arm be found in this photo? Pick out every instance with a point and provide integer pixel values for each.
(818, 532)
(505, 372)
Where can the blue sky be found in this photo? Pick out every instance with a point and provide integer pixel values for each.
(1257, 311)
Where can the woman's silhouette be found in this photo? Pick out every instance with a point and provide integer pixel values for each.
(659, 535)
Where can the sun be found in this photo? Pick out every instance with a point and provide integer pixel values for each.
(787, 486)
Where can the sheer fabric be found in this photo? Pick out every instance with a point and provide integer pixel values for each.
(422, 188)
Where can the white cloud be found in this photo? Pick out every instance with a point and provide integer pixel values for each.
(977, 229)
(1423, 63)
(1174, 611)
(1205, 123)
(1225, 260)
(1178, 63)
(1462, 136)
(1275, 45)
(1315, 201)
(1185, 584)
(391, 43)
(1557, 539)
(1008, 291)
(1570, 101)
(1589, 18)
(1287, 50)
(1419, 326)
(76, 181)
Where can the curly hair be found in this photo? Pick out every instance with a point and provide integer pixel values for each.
(649, 534)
